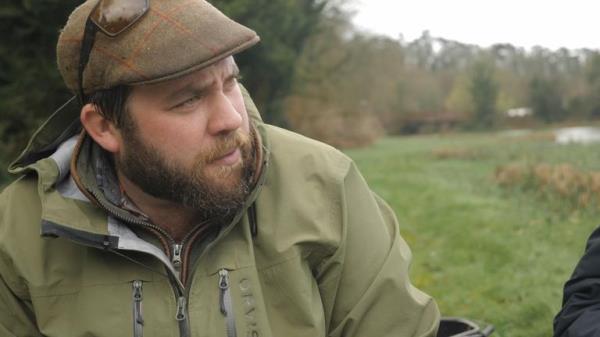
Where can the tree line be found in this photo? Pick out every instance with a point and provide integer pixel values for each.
(432, 83)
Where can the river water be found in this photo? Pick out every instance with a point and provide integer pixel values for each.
(579, 135)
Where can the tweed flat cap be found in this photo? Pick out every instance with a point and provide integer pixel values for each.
(174, 38)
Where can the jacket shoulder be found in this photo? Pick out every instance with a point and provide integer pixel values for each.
(301, 205)
(302, 155)
(25, 185)
(20, 216)
(20, 196)
(20, 211)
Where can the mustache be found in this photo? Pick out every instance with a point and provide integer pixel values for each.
(225, 145)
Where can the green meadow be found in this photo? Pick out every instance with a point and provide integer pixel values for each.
(498, 253)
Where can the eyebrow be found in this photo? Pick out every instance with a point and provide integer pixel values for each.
(234, 73)
(234, 69)
(194, 87)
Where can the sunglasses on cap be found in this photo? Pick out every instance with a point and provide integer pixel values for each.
(111, 17)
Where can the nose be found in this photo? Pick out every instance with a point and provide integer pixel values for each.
(224, 118)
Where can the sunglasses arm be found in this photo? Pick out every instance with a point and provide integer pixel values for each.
(87, 43)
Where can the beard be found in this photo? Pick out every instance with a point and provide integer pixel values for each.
(215, 191)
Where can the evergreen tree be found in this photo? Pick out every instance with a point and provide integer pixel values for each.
(30, 84)
(593, 80)
(268, 68)
(545, 98)
(484, 92)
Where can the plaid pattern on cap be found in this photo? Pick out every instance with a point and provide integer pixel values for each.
(174, 38)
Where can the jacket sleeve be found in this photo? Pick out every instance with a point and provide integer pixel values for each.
(16, 316)
(365, 285)
(580, 313)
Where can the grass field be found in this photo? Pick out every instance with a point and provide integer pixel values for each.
(485, 252)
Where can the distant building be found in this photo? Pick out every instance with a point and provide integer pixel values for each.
(431, 122)
(519, 112)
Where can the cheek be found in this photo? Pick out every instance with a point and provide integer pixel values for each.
(174, 133)
(245, 121)
(237, 100)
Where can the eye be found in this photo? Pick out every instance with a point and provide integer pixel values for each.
(190, 102)
(232, 81)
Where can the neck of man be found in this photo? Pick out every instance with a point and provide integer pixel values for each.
(176, 219)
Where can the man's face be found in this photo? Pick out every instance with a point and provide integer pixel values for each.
(188, 140)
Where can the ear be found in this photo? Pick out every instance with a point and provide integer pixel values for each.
(103, 131)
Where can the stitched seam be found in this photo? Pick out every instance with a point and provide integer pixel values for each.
(71, 291)
(123, 63)
(151, 31)
(181, 28)
(137, 50)
(277, 263)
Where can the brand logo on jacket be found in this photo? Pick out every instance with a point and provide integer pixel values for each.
(249, 304)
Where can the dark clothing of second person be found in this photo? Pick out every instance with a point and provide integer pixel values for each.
(580, 313)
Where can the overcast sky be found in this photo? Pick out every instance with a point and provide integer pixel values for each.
(525, 23)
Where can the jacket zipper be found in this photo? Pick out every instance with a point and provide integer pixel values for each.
(181, 315)
(138, 318)
(176, 258)
(181, 293)
(177, 252)
(225, 302)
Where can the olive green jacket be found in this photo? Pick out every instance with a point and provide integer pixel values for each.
(313, 253)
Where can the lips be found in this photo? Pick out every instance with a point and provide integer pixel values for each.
(229, 158)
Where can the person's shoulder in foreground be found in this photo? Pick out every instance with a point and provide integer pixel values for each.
(165, 207)
(581, 299)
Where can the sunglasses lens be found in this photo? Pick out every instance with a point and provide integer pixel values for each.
(114, 16)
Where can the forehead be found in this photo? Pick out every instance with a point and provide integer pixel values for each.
(224, 67)
(200, 78)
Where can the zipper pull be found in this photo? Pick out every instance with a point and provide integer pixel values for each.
(180, 316)
(137, 306)
(137, 291)
(223, 286)
(176, 260)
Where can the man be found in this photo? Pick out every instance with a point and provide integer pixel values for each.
(167, 208)
(581, 301)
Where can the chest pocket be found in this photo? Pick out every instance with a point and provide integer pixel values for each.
(225, 298)
(100, 294)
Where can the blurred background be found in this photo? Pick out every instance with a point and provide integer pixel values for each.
(475, 120)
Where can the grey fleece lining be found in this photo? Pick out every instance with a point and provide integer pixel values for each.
(62, 157)
(65, 185)
(68, 189)
(128, 240)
